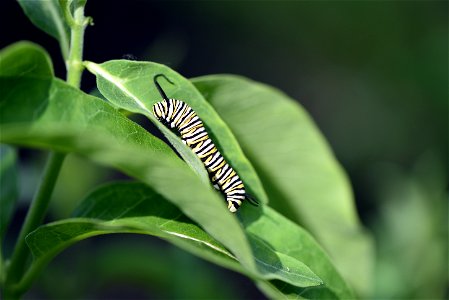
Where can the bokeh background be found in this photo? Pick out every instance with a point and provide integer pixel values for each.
(372, 74)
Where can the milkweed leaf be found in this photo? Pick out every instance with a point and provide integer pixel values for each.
(47, 15)
(302, 177)
(129, 85)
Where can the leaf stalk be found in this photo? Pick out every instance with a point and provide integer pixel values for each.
(78, 25)
(34, 218)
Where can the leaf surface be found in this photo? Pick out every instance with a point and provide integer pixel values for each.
(65, 119)
(129, 85)
(158, 171)
(19, 60)
(136, 208)
(25, 59)
(47, 15)
(75, 122)
(302, 177)
(286, 237)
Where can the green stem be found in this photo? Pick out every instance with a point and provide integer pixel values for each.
(37, 211)
(74, 64)
(34, 217)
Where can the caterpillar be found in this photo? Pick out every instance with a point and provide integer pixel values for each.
(178, 116)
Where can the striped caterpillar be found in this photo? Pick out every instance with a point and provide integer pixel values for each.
(178, 116)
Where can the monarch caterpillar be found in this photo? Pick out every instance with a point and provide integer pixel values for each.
(176, 114)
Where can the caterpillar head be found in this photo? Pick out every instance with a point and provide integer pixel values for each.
(160, 110)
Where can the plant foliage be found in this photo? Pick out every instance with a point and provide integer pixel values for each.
(171, 198)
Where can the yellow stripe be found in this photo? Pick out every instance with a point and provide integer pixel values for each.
(194, 128)
(183, 113)
(219, 166)
(187, 121)
(208, 153)
(209, 159)
(228, 178)
(240, 186)
(197, 141)
(175, 107)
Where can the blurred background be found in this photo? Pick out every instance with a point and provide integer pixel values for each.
(372, 74)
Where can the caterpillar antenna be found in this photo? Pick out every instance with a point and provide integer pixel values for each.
(160, 90)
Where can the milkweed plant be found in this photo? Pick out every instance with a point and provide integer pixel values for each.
(303, 240)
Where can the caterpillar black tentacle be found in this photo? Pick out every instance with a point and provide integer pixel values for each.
(176, 114)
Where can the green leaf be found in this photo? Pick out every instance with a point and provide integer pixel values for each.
(18, 62)
(73, 121)
(160, 170)
(136, 208)
(132, 208)
(301, 175)
(25, 59)
(65, 119)
(9, 191)
(48, 16)
(129, 85)
(287, 238)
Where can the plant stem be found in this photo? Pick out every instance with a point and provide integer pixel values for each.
(39, 205)
(34, 216)
(74, 64)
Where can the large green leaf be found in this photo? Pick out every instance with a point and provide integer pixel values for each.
(19, 60)
(129, 85)
(127, 208)
(302, 177)
(73, 121)
(25, 59)
(66, 116)
(162, 174)
(55, 129)
(48, 16)
(136, 208)
(290, 240)
(68, 120)
(19, 63)
(160, 170)
(8, 186)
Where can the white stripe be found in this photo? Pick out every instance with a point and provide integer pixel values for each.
(179, 113)
(231, 182)
(170, 108)
(205, 143)
(222, 171)
(201, 242)
(189, 115)
(240, 194)
(193, 122)
(237, 191)
(195, 132)
(222, 178)
(208, 148)
(214, 161)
